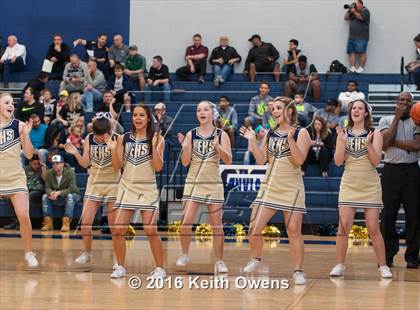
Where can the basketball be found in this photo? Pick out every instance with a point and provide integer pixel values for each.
(415, 113)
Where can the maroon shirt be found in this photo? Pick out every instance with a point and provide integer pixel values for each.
(192, 50)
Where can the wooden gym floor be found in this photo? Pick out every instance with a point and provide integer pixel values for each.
(60, 283)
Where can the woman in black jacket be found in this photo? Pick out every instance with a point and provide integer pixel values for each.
(321, 150)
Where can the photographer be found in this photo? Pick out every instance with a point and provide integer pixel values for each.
(359, 17)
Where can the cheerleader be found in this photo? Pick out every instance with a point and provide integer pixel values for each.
(103, 179)
(202, 149)
(14, 136)
(140, 154)
(360, 147)
(285, 148)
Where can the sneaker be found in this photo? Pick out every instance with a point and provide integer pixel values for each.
(119, 272)
(385, 272)
(299, 277)
(182, 260)
(253, 265)
(338, 270)
(216, 81)
(220, 267)
(158, 273)
(221, 80)
(352, 69)
(31, 260)
(84, 258)
(115, 266)
(359, 70)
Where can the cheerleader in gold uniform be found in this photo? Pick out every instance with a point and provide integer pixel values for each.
(14, 136)
(140, 154)
(102, 185)
(360, 147)
(202, 149)
(286, 149)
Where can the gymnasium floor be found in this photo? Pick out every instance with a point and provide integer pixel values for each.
(62, 284)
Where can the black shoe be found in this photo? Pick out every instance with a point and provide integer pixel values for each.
(412, 264)
(201, 81)
(12, 225)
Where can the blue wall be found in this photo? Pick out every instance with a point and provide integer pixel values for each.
(35, 21)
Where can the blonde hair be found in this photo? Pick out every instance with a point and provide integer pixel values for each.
(288, 104)
(5, 95)
(72, 104)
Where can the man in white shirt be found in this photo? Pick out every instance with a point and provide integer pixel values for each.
(13, 59)
(350, 95)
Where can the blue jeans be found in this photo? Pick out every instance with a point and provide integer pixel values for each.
(224, 70)
(68, 202)
(166, 88)
(90, 97)
(9, 67)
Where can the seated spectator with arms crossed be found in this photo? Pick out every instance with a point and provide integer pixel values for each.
(158, 79)
(59, 53)
(135, 66)
(196, 58)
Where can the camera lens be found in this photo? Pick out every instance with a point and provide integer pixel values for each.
(346, 6)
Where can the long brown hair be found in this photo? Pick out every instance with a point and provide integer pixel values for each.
(150, 130)
(324, 129)
(368, 117)
(288, 104)
(72, 105)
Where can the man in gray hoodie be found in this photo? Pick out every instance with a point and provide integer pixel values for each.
(94, 91)
(75, 76)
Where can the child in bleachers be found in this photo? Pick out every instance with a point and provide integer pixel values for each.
(49, 105)
(75, 136)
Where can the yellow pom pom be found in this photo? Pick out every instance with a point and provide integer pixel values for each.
(271, 231)
(239, 230)
(174, 227)
(203, 232)
(358, 233)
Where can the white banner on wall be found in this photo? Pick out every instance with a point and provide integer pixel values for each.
(242, 178)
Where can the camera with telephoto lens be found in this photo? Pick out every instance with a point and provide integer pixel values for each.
(349, 6)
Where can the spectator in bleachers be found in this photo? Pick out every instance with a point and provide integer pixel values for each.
(300, 75)
(37, 137)
(97, 51)
(165, 124)
(196, 58)
(350, 95)
(2, 49)
(13, 59)
(258, 112)
(158, 79)
(60, 190)
(126, 104)
(228, 118)
(329, 113)
(55, 139)
(118, 52)
(359, 17)
(93, 91)
(29, 106)
(75, 136)
(413, 67)
(109, 105)
(260, 134)
(262, 58)
(59, 53)
(119, 83)
(35, 173)
(49, 106)
(322, 145)
(401, 180)
(71, 110)
(292, 56)
(135, 66)
(223, 58)
(37, 84)
(305, 110)
(75, 76)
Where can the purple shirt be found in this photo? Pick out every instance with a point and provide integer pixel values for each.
(192, 50)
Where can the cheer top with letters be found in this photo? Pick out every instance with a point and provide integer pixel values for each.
(360, 185)
(282, 188)
(13, 178)
(204, 183)
(103, 180)
(137, 189)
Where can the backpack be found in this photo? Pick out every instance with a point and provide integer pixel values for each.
(337, 66)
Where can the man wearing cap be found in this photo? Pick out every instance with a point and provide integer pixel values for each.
(135, 66)
(75, 76)
(196, 58)
(60, 190)
(262, 58)
(165, 125)
(117, 53)
(158, 78)
(329, 113)
(228, 118)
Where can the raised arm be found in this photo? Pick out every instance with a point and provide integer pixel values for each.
(259, 152)
(299, 149)
(117, 150)
(25, 140)
(83, 160)
(340, 149)
(186, 148)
